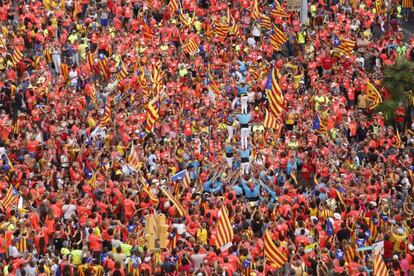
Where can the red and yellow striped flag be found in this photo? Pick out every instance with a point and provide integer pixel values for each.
(147, 190)
(221, 29)
(133, 159)
(146, 31)
(398, 142)
(372, 228)
(92, 180)
(103, 66)
(350, 253)
(176, 203)
(11, 196)
(277, 38)
(346, 46)
(278, 10)
(380, 269)
(122, 74)
(186, 180)
(90, 59)
(255, 12)
(274, 94)
(270, 121)
(64, 68)
(152, 114)
(340, 197)
(378, 6)
(274, 256)
(173, 7)
(22, 244)
(265, 22)
(17, 56)
(374, 97)
(191, 47)
(224, 229)
(107, 114)
(233, 28)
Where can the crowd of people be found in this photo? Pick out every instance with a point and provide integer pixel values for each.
(103, 102)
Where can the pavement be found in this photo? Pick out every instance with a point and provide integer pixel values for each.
(408, 28)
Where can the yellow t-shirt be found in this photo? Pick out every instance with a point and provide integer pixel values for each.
(202, 235)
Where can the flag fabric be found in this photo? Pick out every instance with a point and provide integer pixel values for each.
(340, 197)
(270, 121)
(103, 67)
(350, 253)
(22, 244)
(274, 94)
(179, 176)
(318, 125)
(92, 180)
(278, 10)
(221, 29)
(173, 6)
(398, 143)
(378, 6)
(122, 74)
(374, 97)
(146, 31)
(187, 180)
(224, 228)
(191, 47)
(147, 190)
(107, 114)
(344, 46)
(90, 59)
(185, 19)
(255, 12)
(133, 159)
(143, 81)
(380, 269)
(156, 79)
(11, 196)
(265, 22)
(277, 38)
(233, 28)
(274, 256)
(152, 114)
(17, 56)
(212, 84)
(372, 229)
(176, 203)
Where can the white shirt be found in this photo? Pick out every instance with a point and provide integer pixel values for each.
(73, 76)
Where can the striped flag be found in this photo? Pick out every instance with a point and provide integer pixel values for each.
(378, 6)
(224, 229)
(191, 47)
(17, 56)
(22, 244)
(274, 94)
(350, 253)
(318, 125)
(152, 114)
(186, 180)
(176, 203)
(398, 143)
(221, 29)
(90, 59)
(212, 84)
(278, 10)
(147, 190)
(185, 19)
(209, 31)
(143, 81)
(270, 121)
(255, 12)
(156, 78)
(93, 94)
(64, 68)
(265, 22)
(92, 180)
(146, 31)
(325, 214)
(133, 159)
(340, 197)
(344, 46)
(11, 196)
(234, 29)
(372, 228)
(374, 97)
(380, 269)
(173, 7)
(274, 256)
(122, 74)
(277, 38)
(103, 67)
(107, 114)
